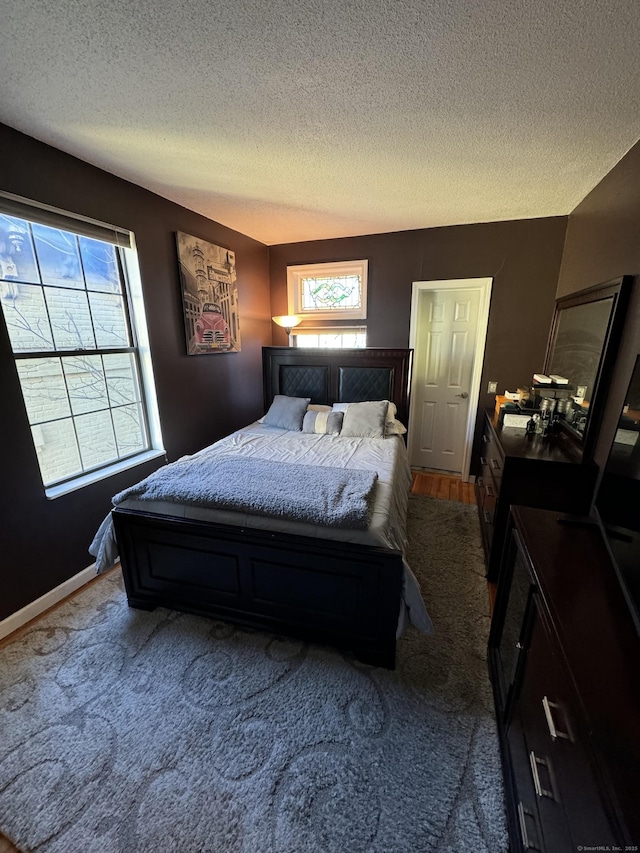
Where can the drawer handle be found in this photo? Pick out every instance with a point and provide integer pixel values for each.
(495, 464)
(554, 731)
(483, 460)
(523, 813)
(490, 492)
(487, 517)
(536, 761)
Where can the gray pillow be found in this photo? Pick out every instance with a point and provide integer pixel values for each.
(365, 419)
(323, 423)
(287, 412)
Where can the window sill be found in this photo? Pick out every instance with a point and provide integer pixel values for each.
(54, 492)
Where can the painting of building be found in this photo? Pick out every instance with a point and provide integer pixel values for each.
(209, 296)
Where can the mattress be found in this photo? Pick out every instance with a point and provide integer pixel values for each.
(386, 456)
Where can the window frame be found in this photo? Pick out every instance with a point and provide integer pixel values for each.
(123, 243)
(297, 272)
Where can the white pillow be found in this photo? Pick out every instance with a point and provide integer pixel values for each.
(394, 427)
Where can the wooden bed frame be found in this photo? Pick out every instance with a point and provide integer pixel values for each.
(342, 594)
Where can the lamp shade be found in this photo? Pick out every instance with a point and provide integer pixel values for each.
(287, 321)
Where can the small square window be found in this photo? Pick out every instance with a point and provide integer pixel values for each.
(329, 291)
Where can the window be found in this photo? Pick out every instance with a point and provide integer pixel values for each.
(68, 289)
(337, 337)
(332, 291)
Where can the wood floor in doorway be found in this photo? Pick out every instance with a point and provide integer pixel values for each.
(434, 484)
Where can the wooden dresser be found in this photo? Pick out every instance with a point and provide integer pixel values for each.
(548, 473)
(564, 659)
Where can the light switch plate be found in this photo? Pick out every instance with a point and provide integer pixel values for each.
(493, 388)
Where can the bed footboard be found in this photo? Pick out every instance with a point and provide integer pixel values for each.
(341, 594)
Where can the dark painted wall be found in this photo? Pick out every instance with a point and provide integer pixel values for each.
(201, 398)
(602, 243)
(523, 258)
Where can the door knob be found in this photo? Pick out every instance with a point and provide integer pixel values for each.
(464, 395)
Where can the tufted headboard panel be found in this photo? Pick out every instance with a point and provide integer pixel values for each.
(304, 381)
(339, 375)
(356, 384)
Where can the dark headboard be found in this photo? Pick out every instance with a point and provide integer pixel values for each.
(339, 375)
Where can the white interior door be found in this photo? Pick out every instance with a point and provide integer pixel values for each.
(446, 326)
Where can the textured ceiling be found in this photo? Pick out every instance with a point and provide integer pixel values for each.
(302, 119)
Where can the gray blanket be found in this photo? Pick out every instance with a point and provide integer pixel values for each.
(315, 494)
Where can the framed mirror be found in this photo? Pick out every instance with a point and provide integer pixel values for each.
(618, 497)
(584, 339)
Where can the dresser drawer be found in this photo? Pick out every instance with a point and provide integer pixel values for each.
(488, 475)
(491, 456)
(487, 499)
(527, 819)
(568, 796)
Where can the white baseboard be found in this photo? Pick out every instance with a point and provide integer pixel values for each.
(37, 607)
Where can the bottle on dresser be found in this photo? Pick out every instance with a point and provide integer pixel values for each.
(546, 422)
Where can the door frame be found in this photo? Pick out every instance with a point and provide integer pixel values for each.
(484, 286)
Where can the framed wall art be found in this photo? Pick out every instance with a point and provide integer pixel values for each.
(209, 296)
